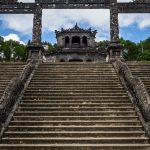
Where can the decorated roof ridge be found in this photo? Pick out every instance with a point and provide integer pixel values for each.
(76, 28)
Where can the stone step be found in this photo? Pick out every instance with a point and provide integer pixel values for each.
(75, 134)
(63, 87)
(75, 113)
(75, 91)
(75, 104)
(55, 86)
(75, 146)
(74, 70)
(75, 123)
(76, 75)
(72, 118)
(71, 140)
(61, 83)
(63, 105)
(70, 74)
(81, 89)
(75, 128)
(79, 83)
(76, 101)
(75, 94)
(36, 108)
(78, 98)
(54, 64)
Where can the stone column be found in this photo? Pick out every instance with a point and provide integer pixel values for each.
(35, 48)
(114, 25)
(37, 25)
(70, 41)
(114, 48)
(81, 41)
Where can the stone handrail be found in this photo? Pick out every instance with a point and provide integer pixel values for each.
(14, 89)
(138, 91)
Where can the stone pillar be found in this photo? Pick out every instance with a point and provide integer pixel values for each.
(70, 41)
(114, 25)
(114, 49)
(37, 25)
(35, 48)
(81, 41)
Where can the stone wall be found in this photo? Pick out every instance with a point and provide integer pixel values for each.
(138, 91)
(13, 91)
(75, 56)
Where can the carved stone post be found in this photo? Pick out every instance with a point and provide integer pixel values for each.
(35, 48)
(115, 48)
(81, 42)
(114, 25)
(70, 41)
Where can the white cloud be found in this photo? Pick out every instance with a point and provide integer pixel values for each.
(141, 20)
(21, 22)
(14, 37)
(55, 19)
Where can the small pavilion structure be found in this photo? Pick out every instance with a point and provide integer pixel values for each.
(76, 44)
(76, 38)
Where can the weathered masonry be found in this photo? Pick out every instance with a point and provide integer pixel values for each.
(114, 49)
(76, 44)
(75, 38)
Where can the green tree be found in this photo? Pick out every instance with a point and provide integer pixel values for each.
(131, 50)
(12, 50)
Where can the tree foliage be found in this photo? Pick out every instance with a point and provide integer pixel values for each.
(12, 51)
(136, 51)
(132, 51)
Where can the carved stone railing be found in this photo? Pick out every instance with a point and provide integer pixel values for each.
(135, 86)
(13, 91)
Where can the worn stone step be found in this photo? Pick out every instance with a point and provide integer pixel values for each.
(76, 78)
(54, 64)
(75, 146)
(76, 128)
(60, 83)
(71, 140)
(71, 118)
(69, 74)
(82, 70)
(4, 80)
(78, 101)
(93, 90)
(74, 87)
(75, 134)
(83, 94)
(76, 92)
(55, 86)
(77, 123)
(75, 70)
(62, 105)
(75, 113)
(91, 98)
(35, 108)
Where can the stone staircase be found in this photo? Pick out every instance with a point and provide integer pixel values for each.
(7, 72)
(70, 106)
(142, 70)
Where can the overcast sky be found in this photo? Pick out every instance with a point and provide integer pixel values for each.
(134, 27)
